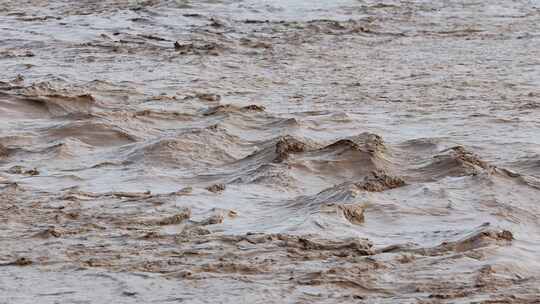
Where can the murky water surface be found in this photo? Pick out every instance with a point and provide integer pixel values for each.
(269, 151)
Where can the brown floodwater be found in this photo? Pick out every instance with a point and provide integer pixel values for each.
(263, 151)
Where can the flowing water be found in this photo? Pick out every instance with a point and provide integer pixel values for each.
(269, 151)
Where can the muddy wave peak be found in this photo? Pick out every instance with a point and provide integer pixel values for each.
(58, 102)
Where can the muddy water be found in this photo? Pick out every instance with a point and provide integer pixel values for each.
(269, 151)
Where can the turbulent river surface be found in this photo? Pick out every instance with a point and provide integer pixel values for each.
(264, 151)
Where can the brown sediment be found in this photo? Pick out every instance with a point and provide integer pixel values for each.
(483, 237)
(364, 142)
(358, 246)
(354, 213)
(255, 44)
(379, 181)
(254, 108)
(212, 220)
(4, 152)
(216, 188)
(16, 53)
(23, 171)
(228, 108)
(175, 219)
(467, 157)
(325, 151)
(288, 145)
(208, 48)
(22, 261)
(477, 240)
